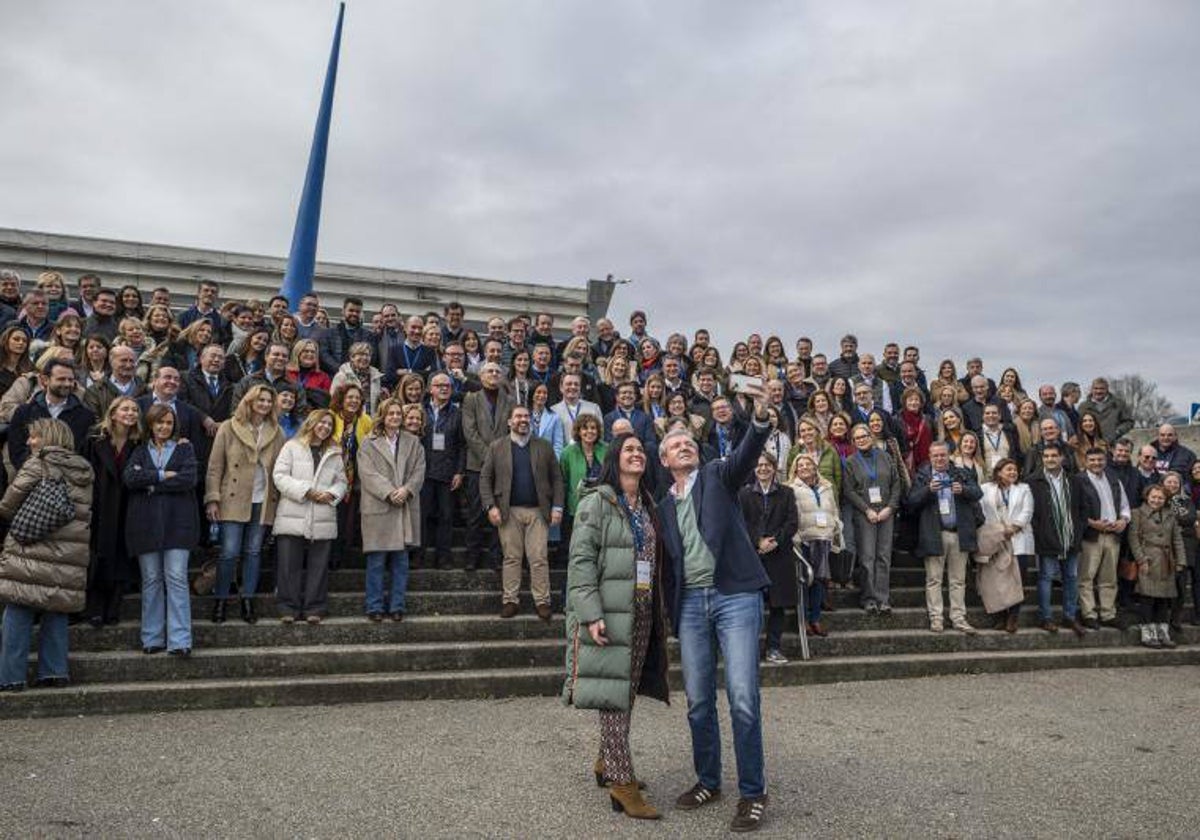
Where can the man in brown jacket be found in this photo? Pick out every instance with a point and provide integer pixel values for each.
(522, 491)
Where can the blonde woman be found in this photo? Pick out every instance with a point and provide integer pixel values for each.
(47, 577)
(108, 451)
(240, 495)
(818, 537)
(391, 468)
(311, 478)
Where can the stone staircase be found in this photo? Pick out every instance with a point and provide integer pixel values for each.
(453, 645)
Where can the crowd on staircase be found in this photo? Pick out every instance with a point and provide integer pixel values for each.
(244, 428)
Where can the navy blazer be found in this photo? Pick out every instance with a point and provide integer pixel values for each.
(719, 517)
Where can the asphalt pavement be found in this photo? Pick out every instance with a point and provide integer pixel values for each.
(1063, 754)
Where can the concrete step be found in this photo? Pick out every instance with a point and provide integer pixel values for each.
(483, 599)
(257, 662)
(916, 618)
(120, 697)
(464, 602)
(312, 659)
(349, 630)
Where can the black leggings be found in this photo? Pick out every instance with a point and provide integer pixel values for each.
(1155, 610)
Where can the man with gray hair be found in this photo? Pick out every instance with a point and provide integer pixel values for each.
(10, 297)
(973, 408)
(1114, 416)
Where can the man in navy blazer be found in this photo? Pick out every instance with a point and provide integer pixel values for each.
(713, 581)
(627, 408)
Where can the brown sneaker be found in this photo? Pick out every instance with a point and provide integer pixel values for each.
(543, 612)
(698, 796)
(508, 610)
(749, 814)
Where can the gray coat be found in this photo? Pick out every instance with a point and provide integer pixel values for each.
(385, 526)
(481, 426)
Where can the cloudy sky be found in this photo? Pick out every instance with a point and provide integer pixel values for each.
(1018, 180)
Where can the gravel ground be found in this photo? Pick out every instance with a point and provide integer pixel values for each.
(1101, 753)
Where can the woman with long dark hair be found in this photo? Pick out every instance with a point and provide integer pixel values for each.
(616, 620)
(162, 529)
(14, 356)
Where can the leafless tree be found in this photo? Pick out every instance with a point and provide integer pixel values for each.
(1148, 406)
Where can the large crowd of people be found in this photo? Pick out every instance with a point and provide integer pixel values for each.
(273, 430)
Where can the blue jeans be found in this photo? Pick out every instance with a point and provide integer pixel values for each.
(18, 632)
(398, 561)
(241, 539)
(1048, 569)
(169, 624)
(707, 620)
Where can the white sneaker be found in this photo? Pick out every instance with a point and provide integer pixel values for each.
(776, 658)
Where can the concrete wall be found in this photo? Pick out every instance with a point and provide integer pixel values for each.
(243, 276)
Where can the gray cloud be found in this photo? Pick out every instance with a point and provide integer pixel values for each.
(1016, 180)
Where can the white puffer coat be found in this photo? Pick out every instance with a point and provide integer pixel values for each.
(294, 476)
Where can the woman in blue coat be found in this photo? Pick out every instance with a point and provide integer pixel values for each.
(162, 528)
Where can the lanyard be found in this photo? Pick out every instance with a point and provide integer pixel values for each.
(994, 441)
(408, 358)
(572, 414)
(872, 471)
(635, 522)
(816, 491)
(1004, 495)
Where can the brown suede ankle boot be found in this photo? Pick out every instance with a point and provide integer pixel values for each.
(628, 799)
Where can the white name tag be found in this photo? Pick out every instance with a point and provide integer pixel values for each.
(439, 441)
(822, 519)
(944, 507)
(875, 495)
(643, 574)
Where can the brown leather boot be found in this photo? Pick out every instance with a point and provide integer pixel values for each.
(628, 799)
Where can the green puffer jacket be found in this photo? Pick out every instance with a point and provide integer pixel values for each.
(600, 584)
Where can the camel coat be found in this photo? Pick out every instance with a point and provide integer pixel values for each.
(230, 478)
(385, 526)
(1154, 540)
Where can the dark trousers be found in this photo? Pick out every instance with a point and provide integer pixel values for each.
(437, 509)
(104, 600)
(481, 537)
(302, 574)
(1154, 610)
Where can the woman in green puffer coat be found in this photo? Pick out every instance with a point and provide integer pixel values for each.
(616, 617)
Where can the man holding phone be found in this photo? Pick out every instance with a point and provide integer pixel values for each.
(713, 581)
(944, 497)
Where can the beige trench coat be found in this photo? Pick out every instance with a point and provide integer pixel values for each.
(385, 526)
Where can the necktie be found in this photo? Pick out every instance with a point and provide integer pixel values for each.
(212, 384)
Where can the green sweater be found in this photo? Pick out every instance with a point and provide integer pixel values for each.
(574, 471)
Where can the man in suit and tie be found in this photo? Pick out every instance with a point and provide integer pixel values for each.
(164, 389)
(484, 419)
(522, 491)
(208, 390)
(713, 581)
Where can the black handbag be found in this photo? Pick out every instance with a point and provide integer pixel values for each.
(47, 508)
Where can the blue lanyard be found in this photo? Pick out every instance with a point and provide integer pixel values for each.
(635, 522)
(871, 471)
(722, 442)
(816, 491)
(1004, 496)
(408, 359)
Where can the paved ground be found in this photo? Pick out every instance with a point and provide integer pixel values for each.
(1052, 754)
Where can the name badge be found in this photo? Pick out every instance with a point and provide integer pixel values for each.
(643, 574)
(944, 507)
(875, 495)
(822, 519)
(439, 441)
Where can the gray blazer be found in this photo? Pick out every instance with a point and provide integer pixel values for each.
(481, 426)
